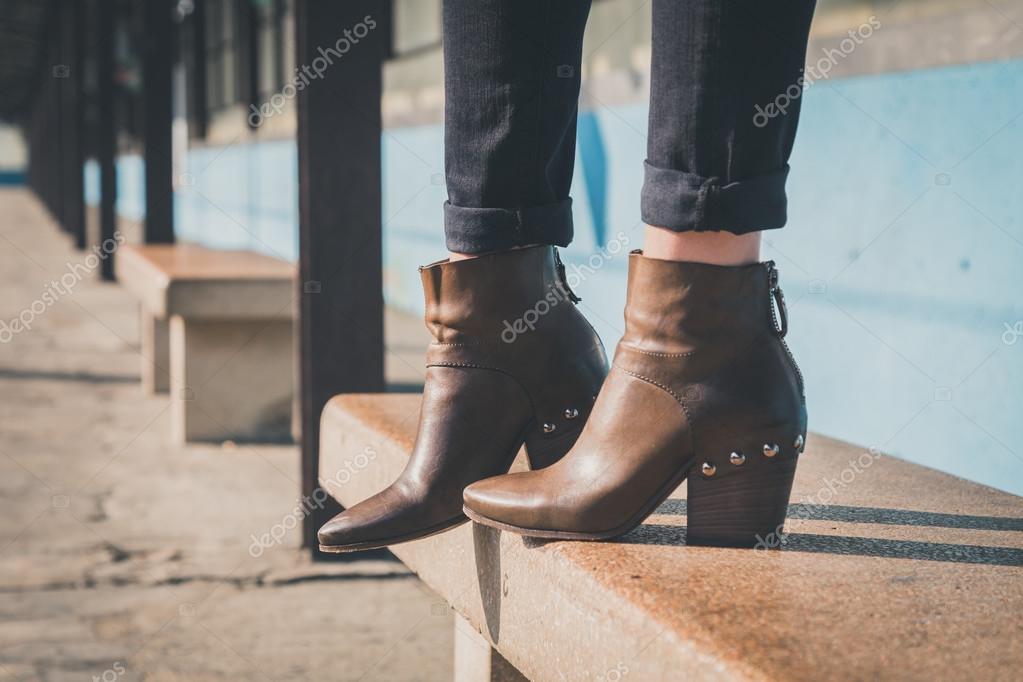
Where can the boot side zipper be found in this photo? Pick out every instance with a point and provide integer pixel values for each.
(781, 326)
(559, 266)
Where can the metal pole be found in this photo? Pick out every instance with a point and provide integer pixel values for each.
(107, 134)
(157, 59)
(72, 111)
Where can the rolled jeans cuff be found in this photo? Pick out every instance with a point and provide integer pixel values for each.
(479, 230)
(686, 202)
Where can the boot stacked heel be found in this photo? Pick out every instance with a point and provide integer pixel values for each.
(739, 497)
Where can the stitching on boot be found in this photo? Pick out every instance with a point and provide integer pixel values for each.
(687, 354)
(659, 385)
(690, 423)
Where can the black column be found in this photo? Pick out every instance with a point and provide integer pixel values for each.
(197, 85)
(340, 327)
(248, 43)
(106, 137)
(157, 113)
(53, 132)
(72, 124)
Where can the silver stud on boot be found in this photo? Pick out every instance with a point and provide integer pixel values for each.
(798, 445)
(771, 450)
(708, 469)
(737, 459)
(548, 427)
(571, 413)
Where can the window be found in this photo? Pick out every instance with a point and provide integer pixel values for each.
(270, 27)
(222, 83)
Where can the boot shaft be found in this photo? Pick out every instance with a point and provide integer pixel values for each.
(678, 307)
(479, 299)
(712, 335)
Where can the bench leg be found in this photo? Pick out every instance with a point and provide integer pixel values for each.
(476, 660)
(231, 380)
(155, 338)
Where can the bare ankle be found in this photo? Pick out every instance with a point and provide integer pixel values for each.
(716, 248)
(457, 256)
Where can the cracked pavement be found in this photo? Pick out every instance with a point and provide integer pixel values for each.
(123, 557)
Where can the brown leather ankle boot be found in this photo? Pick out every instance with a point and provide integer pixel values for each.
(512, 361)
(702, 385)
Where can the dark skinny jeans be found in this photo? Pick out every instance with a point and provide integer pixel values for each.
(713, 163)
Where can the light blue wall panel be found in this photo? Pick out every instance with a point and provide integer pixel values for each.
(242, 196)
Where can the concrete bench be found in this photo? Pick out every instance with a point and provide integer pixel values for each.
(887, 570)
(217, 333)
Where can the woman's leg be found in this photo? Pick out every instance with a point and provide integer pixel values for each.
(511, 81)
(716, 164)
(513, 361)
(702, 385)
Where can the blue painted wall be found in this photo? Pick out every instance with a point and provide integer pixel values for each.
(12, 177)
(131, 195)
(902, 261)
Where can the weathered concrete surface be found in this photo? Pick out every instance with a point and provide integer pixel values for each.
(125, 558)
(476, 660)
(229, 343)
(154, 347)
(888, 570)
(231, 380)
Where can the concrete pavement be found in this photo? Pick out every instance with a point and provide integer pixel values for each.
(125, 558)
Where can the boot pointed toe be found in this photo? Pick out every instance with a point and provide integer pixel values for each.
(340, 530)
(487, 497)
(386, 519)
(507, 500)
